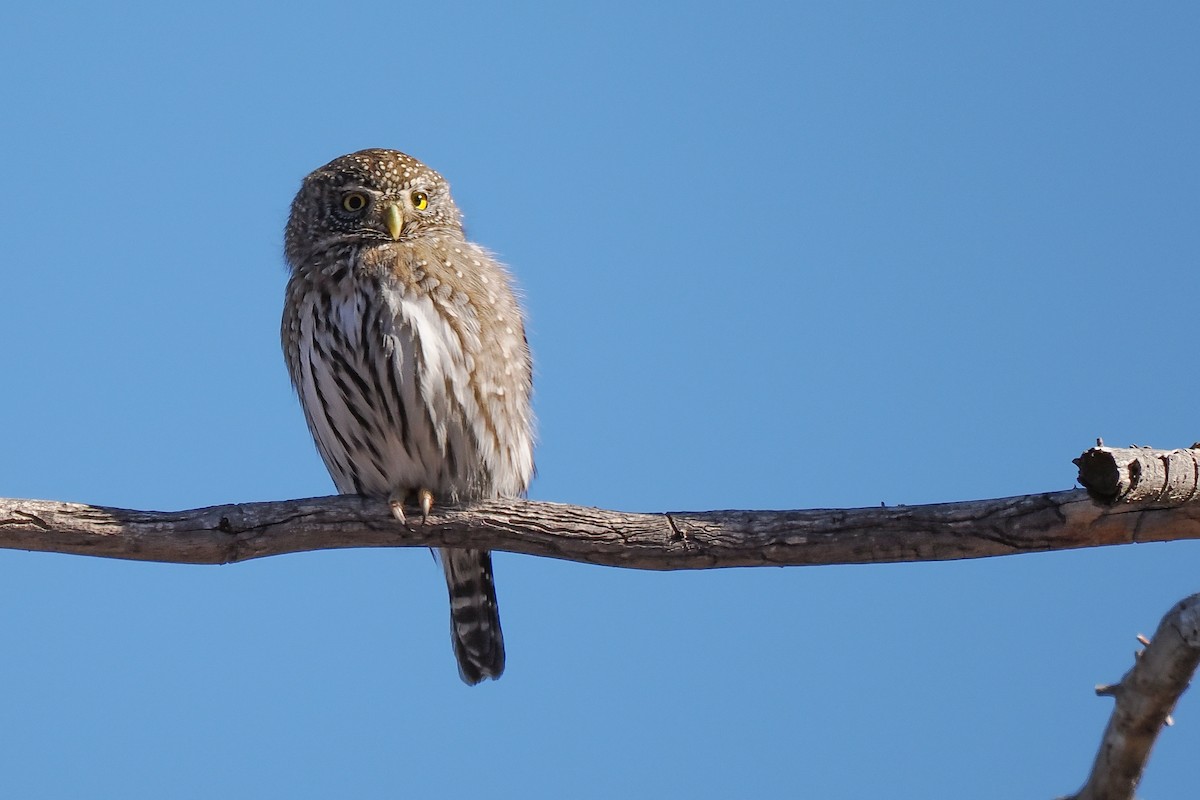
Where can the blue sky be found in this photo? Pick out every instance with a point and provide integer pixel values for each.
(774, 256)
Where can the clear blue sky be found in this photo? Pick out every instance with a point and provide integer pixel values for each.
(774, 256)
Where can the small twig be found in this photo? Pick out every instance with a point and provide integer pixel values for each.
(1144, 700)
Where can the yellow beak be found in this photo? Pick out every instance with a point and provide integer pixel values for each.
(395, 220)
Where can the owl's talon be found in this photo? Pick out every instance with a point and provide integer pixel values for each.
(425, 498)
(397, 507)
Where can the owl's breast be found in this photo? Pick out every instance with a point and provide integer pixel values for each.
(413, 371)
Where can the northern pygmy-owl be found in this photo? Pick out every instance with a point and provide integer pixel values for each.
(407, 348)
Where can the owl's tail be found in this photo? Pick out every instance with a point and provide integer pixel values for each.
(474, 616)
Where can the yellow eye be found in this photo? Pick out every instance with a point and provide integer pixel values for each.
(354, 201)
(420, 201)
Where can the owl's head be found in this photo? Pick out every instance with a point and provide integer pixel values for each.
(368, 196)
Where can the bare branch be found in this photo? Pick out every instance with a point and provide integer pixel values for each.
(1136, 495)
(1145, 698)
(681, 540)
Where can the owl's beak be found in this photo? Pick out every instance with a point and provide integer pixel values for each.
(395, 220)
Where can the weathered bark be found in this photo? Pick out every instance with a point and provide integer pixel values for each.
(1144, 700)
(1140, 474)
(678, 540)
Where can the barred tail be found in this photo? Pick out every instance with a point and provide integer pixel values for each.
(474, 617)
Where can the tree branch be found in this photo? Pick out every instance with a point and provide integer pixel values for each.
(1140, 474)
(1145, 698)
(679, 540)
(1133, 495)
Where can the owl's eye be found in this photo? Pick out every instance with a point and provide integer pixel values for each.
(354, 202)
(420, 201)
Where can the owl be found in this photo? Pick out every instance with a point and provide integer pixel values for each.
(406, 345)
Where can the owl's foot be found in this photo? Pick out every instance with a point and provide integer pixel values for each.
(425, 498)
